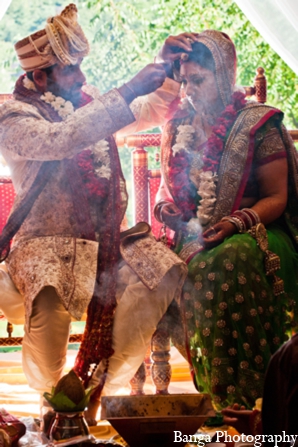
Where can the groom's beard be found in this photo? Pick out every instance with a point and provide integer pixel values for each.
(74, 94)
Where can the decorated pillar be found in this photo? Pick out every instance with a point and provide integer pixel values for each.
(140, 185)
(161, 370)
(260, 85)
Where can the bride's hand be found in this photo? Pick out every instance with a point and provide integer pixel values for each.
(217, 233)
(237, 416)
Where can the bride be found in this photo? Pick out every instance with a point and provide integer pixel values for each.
(229, 191)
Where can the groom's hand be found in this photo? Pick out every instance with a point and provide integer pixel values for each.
(174, 46)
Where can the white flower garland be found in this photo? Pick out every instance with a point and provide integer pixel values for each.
(207, 192)
(185, 139)
(62, 107)
(29, 84)
(207, 187)
(65, 109)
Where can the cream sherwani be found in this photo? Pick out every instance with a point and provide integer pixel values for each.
(51, 266)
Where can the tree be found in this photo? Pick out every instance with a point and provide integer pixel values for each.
(132, 32)
(126, 34)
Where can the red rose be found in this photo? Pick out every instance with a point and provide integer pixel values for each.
(220, 130)
(183, 189)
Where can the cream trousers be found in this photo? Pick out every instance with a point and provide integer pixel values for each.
(137, 314)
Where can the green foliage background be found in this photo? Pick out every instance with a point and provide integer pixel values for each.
(126, 34)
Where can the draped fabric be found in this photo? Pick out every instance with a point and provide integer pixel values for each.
(234, 321)
(277, 22)
(234, 317)
(4, 4)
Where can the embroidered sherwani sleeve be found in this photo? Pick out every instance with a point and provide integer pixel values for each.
(29, 136)
(151, 110)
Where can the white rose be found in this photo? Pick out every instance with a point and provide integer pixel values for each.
(177, 148)
(48, 97)
(203, 218)
(208, 202)
(185, 138)
(186, 128)
(29, 84)
(59, 101)
(103, 171)
(69, 108)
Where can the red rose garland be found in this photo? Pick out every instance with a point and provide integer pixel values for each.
(184, 191)
(97, 187)
(216, 141)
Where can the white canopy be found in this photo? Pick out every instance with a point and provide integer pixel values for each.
(277, 22)
(4, 4)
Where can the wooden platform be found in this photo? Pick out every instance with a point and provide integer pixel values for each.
(20, 400)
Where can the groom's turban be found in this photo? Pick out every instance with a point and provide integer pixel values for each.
(62, 40)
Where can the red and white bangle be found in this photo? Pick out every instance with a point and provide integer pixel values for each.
(237, 221)
(253, 215)
(243, 219)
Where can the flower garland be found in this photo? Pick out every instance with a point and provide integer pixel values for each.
(216, 141)
(93, 164)
(184, 190)
(63, 108)
(185, 138)
(28, 84)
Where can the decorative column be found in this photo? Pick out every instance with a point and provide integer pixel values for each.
(160, 343)
(259, 90)
(138, 381)
(161, 370)
(140, 184)
(154, 182)
(260, 85)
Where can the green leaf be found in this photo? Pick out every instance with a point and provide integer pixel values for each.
(60, 402)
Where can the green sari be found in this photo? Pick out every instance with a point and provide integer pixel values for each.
(234, 320)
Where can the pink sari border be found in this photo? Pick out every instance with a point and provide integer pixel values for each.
(193, 255)
(277, 156)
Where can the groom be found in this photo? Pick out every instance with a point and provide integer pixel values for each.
(56, 136)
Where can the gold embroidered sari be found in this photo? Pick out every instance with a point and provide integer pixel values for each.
(234, 321)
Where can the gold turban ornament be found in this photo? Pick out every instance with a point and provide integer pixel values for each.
(62, 40)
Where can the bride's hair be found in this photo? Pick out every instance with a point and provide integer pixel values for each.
(201, 55)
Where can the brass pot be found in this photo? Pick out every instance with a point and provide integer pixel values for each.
(67, 426)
